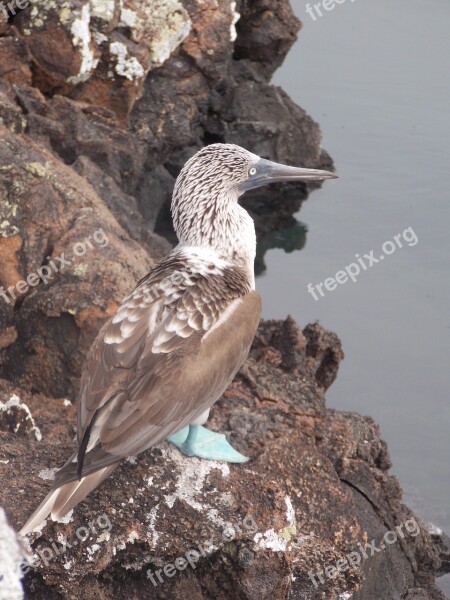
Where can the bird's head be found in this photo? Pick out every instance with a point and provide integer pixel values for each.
(208, 187)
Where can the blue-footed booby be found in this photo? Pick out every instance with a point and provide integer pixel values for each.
(178, 339)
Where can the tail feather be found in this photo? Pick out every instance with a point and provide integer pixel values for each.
(61, 500)
(41, 513)
(72, 493)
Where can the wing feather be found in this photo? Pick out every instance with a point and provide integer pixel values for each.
(167, 355)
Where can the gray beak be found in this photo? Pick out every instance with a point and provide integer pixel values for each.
(271, 172)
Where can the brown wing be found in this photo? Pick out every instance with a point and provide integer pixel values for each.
(169, 353)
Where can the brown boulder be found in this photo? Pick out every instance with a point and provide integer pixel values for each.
(66, 265)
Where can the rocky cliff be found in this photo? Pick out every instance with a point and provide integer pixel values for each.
(101, 102)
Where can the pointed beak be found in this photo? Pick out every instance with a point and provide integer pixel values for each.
(271, 172)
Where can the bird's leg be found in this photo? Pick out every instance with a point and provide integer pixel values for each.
(196, 440)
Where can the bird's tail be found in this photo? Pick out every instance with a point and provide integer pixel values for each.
(60, 500)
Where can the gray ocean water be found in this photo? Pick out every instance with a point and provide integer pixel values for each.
(376, 76)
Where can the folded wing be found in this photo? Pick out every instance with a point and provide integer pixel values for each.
(169, 353)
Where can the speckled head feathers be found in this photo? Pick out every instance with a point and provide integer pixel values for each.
(215, 168)
(205, 206)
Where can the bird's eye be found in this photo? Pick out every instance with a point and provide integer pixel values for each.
(252, 171)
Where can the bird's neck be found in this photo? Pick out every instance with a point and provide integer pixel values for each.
(226, 229)
(235, 239)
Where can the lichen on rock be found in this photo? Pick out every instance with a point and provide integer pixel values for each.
(15, 416)
(82, 38)
(128, 67)
(160, 24)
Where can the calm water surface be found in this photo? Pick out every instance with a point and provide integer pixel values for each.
(376, 77)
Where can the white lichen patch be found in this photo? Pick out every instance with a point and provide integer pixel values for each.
(190, 482)
(105, 536)
(8, 208)
(48, 474)
(270, 540)
(128, 18)
(38, 16)
(8, 211)
(291, 530)
(80, 270)
(290, 512)
(162, 48)
(121, 543)
(103, 9)
(161, 25)
(235, 16)
(40, 527)
(278, 542)
(227, 499)
(40, 11)
(36, 168)
(152, 533)
(214, 517)
(65, 14)
(192, 475)
(8, 230)
(126, 66)
(91, 551)
(132, 537)
(67, 519)
(13, 405)
(82, 39)
(100, 38)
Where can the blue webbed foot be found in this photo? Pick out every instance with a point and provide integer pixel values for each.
(196, 440)
(179, 437)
